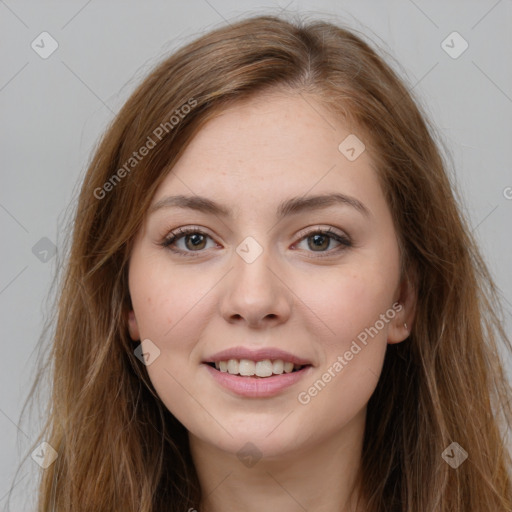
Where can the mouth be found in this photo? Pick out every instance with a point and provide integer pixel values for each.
(261, 369)
(259, 377)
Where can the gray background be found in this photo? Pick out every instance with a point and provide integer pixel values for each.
(54, 110)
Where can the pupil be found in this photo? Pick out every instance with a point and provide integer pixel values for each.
(196, 239)
(318, 238)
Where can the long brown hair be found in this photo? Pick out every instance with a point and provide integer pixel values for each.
(118, 446)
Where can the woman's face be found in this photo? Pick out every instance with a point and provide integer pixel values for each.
(258, 283)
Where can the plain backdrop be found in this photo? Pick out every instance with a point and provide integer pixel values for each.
(54, 109)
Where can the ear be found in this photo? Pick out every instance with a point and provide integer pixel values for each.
(405, 308)
(133, 328)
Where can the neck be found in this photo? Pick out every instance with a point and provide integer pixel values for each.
(319, 477)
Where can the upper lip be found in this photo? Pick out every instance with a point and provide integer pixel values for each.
(259, 354)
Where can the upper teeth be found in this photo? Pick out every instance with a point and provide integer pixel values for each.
(264, 368)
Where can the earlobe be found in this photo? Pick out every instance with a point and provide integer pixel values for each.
(133, 328)
(398, 331)
(400, 327)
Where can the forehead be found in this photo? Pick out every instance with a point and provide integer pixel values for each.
(274, 145)
(270, 128)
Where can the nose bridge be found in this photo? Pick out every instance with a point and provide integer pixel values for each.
(255, 292)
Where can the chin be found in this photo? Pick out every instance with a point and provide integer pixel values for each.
(256, 442)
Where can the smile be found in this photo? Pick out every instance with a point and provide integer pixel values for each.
(262, 369)
(254, 385)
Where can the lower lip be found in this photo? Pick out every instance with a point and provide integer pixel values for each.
(256, 387)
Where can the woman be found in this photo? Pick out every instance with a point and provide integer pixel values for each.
(272, 299)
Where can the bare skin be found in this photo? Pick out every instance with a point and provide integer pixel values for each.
(309, 296)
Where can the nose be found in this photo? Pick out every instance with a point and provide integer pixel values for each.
(255, 293)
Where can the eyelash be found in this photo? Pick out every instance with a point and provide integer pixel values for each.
(181, 232)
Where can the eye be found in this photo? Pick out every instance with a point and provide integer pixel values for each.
(194, 241)
(320, 240)
(193, 238)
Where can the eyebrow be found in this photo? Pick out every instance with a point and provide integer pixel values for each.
(291, 206)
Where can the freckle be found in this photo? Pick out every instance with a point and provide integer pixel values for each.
(149, 300)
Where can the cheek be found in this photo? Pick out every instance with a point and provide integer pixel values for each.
(166, 303)
(163, 299)
(349, 302)
(351, 306)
